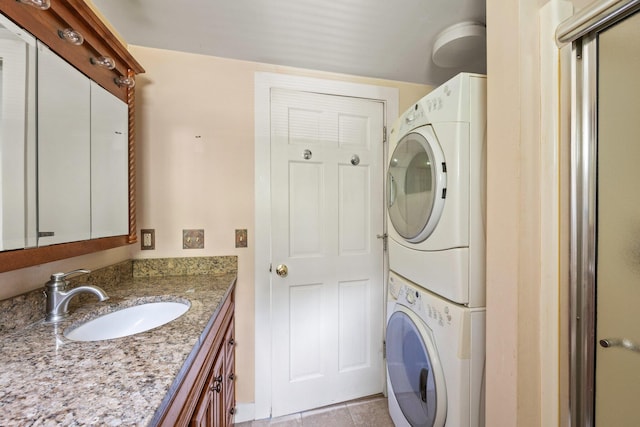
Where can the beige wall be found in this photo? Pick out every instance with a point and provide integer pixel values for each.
(503, 222)
(518, 291)
(17, 282)
(195, 118)
(513, 215)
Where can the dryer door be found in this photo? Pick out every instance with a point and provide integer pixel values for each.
(414, 370)
(417, 185)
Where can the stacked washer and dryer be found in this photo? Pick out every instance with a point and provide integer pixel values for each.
(435, 339)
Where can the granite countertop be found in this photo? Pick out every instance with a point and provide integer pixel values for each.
(46, 379)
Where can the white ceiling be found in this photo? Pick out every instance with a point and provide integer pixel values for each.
(389, 39)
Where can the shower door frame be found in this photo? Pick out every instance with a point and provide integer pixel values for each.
(581, 31)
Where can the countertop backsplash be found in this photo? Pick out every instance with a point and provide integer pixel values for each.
(153, 267)
(29, 308)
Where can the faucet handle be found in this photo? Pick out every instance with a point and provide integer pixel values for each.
(60, 277)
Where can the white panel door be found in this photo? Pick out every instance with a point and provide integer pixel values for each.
(327, 208)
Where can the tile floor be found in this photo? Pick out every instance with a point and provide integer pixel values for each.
(371, 411)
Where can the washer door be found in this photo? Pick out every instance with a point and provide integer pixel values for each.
(414, 370)
(417, 185)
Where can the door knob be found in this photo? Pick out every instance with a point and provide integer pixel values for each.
(282, 270)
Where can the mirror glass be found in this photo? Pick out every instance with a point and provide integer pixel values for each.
(64, 151)
(83, 169)
(109, 164)
(17, 137)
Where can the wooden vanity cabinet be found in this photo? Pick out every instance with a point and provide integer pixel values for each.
(206, 397)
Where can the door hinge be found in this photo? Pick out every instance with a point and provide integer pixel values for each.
(384, 349)
(384, 134)
(384, 238)
(270, 268)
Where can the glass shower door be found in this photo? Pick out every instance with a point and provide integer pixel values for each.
(617, 378)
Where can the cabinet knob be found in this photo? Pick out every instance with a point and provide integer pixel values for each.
(216, 387)
(232, 377)
(232, 411)
(232, 342)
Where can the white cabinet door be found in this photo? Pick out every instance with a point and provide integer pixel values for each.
(63, 151)
(109, 164)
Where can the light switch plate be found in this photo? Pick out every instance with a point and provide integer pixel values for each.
(192, 239)
(148, 239)
(241, 238)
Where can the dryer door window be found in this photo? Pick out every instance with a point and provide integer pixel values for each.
(414, 370)
(416, 185)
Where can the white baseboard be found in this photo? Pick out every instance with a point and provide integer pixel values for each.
(244, 412)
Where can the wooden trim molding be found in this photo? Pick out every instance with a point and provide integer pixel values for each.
(13, 260)
(98, 41)
(131, 97)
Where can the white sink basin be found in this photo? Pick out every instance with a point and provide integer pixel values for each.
(128, 321)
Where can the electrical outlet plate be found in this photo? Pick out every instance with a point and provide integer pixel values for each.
(241, 238)
(192, 239)
(148, 239)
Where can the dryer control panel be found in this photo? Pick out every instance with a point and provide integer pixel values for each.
(446, 103)
(412, 118)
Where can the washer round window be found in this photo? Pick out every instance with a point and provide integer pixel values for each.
(415, 372)
(416, 185)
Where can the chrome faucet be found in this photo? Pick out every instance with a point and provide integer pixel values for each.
(58, 297)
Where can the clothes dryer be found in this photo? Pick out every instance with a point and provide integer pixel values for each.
(436, 191)
(435, 353)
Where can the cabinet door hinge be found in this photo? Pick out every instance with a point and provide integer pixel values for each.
(384, 134)
(384, 349)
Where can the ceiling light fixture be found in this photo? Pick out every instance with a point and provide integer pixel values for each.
(460, 44)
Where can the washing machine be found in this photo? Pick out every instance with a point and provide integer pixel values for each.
(435, 353)
(436, 191)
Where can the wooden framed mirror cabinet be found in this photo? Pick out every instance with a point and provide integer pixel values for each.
(73, 36)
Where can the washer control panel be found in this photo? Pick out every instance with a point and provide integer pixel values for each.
(438, 313)
(432, 312)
